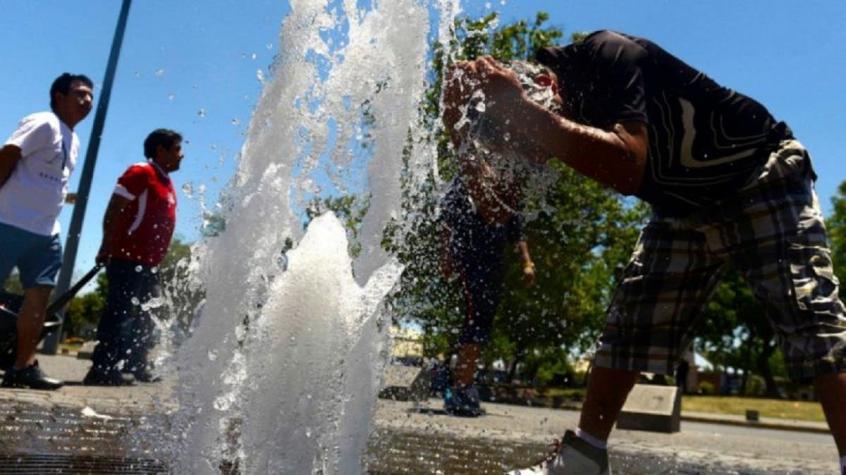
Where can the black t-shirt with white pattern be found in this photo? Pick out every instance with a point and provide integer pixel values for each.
(704, 139)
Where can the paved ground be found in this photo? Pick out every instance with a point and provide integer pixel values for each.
(509, 435)
(67, 427)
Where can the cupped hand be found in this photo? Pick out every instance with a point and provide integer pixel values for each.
(484, 78)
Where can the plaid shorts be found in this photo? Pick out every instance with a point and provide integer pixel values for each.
(773, 233)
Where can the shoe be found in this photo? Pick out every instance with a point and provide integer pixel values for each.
(96, 377)
(572, 456)
(462, 401)
(30, 377)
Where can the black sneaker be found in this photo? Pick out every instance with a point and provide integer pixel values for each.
(462, 401)
(114, 377)
(30, 377)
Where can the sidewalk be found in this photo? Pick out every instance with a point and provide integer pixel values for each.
(408, 438)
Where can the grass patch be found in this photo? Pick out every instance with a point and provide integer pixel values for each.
(781, 409)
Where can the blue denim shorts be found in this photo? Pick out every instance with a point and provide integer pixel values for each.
(38, 258)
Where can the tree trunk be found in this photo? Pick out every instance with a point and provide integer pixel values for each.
(748, 364)
(512, 371)
(764, 368)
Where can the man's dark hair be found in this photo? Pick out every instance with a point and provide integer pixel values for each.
(164, 137)
(63, 83)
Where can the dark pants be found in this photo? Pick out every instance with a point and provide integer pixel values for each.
(125, 332)
(482, 279)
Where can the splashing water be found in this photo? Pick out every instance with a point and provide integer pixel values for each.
(281, 371)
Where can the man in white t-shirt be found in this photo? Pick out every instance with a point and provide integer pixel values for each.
(35, 165)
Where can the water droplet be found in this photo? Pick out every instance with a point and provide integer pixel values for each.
(160, 72)
(260, 76)
(201, 112)
(212, 355)
(269, 46)
(154, 302)
(236, 121)
(171, 96)
(138, 268)
(188, 190)
(222, 404)
(135, 301)
(253, 56)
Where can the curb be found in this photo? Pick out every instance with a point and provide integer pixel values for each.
(796, 427)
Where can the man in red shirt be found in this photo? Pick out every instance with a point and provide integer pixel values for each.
(137, 229)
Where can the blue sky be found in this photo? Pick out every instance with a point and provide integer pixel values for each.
(192, 66)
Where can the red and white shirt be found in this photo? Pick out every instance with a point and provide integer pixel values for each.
(145, 227)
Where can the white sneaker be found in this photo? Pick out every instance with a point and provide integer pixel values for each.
(573, 456)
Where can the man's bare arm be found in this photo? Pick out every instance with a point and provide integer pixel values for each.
(10, 155)
(615, 158)
(117, 204)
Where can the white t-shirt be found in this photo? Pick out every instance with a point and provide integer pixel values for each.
(32, 197)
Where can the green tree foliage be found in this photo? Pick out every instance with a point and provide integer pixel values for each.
(837, 235)
(83, 312)
(580, 234)
(576, 244)
(13, 284)
(736, 333)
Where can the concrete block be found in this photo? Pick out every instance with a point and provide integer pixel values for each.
(652, 408)
(87, 350)
(405, 383)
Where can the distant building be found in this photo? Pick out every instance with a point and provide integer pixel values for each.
(407, 344)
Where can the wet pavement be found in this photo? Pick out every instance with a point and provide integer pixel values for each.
(81, 429)
(425, 440)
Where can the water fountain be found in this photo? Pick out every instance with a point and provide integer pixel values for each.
(282, 368)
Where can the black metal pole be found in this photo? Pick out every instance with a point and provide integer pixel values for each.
(51, 344)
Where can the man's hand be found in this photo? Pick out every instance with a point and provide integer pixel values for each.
(103, 255)
(10, 155)
(501, 87)
(529, 274)
(457, 92)
(485, 80)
